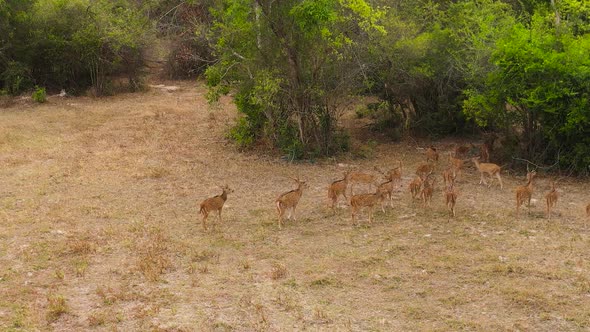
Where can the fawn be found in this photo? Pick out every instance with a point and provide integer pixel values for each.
(364, 200)
(415, 186)
(451, 198)
(524, 193)
(490, 169)
(431, 154)
(360, 177)
(551, 199)
(289, 200)
(427, 190)
(338, 188)
(214, 204)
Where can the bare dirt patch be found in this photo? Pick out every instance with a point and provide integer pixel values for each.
(99, 231)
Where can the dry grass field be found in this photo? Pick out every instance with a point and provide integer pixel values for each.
(99, 231)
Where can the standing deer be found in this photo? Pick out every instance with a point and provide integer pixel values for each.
(289, 200)
(336, 189)
(456, 165)
(415, 186)
(424, 169)
(364, 200)
(394, 174)
(551, 199)
(214, 204)
(524, 193)
(427, 190)
(461, 151)
(451, 198)
(431, 154)
(360, 177)
(490, 169)
(386, 191)
(448, 176)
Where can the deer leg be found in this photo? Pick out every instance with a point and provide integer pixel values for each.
(220, 219)
(500, 180)
(204, 222)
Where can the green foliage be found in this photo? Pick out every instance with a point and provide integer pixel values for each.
(71, 44)
(39, 95)
(292, 63)
(539, 84)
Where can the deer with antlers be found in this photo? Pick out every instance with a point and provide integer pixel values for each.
(365, 201)
(394, 174)
(336, 189)
(524, 193)
(214, 204)
(551, 198)
(289, 201)
(487, 168)
(451, 198)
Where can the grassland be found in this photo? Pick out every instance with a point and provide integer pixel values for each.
(99, 231)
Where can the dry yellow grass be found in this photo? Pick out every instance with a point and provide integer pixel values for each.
(99, 230)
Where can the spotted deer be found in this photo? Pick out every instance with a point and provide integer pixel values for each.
(360, 177)
(214, 204)
(431, 154)
(448, 176)
(415, 186)
(386, 191)
(289, 201)
(456, 165)
(427, 190)
(524, 193)
(551, 198)
(487, 168)
(336, 189)
(364, 201)
(451, 198)
(423, 169)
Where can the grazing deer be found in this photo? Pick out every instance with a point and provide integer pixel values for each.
(424, 169)
(415, 186)
(431, 154)
(451, 198)
(360, 177)
(490, 169)
(364, 200)
(456, 165)
(461, 151)
(551, 199)
(336, 189)
(289, 200)
(449, 176)
(427, 190)
(214, 204)
(524, 193)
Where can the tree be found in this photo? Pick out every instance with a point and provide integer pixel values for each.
(292, 64)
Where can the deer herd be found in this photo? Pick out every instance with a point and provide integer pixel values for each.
(421, 187)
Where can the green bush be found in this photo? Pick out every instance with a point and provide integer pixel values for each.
(39, 95)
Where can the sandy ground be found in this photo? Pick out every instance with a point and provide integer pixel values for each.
(99, 231)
